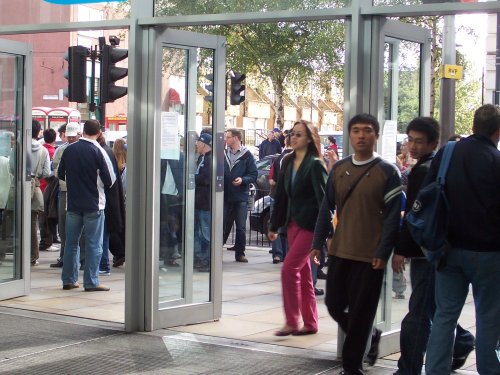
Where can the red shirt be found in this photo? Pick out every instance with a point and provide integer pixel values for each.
(51, 149)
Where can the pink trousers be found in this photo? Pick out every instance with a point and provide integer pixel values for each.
(296, 280)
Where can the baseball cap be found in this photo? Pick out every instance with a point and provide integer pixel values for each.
(277, 130)
(206, 138)
(72, 129)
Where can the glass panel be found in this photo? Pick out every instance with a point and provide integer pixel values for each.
(401, 81)
(11, 73)
(182, 7)
(41, 11)
(185, 180)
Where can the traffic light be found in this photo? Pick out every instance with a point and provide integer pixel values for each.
(210, 88)
(110, 73)
(237, 94)
(76, 73)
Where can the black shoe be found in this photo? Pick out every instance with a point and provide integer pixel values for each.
(204, 268)
(57, 264)
(318, 292)
(321, 275)
(232, 248)
(276, 260)
(118, 262)
(56, 240)
(372, 356)
(458, 362)
(82, 266)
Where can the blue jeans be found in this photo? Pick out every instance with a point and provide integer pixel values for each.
(93, 223)
(202, 236)
(236, 212)
(104, 263)
(464, 267)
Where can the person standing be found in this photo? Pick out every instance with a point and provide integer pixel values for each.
(40, 168)
(71, 133)
(87, 170)
(473, 258)
(269, 146)
(365, 193)
(299, 193)
(49, 186)
(423, 137)
(239, 171)
(203, 179)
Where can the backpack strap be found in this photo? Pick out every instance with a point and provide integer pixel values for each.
(445, 162)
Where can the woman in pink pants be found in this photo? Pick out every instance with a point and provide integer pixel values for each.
(299, 192)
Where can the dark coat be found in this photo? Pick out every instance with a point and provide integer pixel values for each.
(304, 195)
(203, 179)
(245, 168)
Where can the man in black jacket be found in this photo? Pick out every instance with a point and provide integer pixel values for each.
(472, 189)
(423, 136)
(203, 178)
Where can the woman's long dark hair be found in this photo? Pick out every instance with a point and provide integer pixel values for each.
(314, 147)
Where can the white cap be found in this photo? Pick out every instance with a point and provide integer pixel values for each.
(72, 129)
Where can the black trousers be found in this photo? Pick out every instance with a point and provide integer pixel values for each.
(352, 295)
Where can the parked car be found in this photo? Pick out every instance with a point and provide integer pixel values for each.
(262, 186)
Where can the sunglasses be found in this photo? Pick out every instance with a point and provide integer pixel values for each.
(298, 135)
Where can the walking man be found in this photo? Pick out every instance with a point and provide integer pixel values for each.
(365, 191)
(423, 137)
(87, 169)
(239, 171)
(472, 189)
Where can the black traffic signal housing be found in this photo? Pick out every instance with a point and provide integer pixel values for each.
(210, 88)
(110, 73)
(237, 90)
(76, 73)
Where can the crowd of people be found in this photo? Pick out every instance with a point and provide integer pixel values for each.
(78, 201)
(341, 214)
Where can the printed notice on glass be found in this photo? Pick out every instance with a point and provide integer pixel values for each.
(170, 147)
(389, 140)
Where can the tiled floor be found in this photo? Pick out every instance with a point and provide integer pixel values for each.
(251, 309)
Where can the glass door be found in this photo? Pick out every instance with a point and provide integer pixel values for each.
(402, 92)
(186, 214)
(15, 136)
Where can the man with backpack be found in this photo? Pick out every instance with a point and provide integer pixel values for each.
(423, 137)
(472, 189)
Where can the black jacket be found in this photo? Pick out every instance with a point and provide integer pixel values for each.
(203, 178)
(406, 246)
(473, 191)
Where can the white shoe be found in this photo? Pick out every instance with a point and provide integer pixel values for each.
(104, 273)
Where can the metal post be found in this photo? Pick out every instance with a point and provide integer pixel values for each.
(447, 102)
(496, 94)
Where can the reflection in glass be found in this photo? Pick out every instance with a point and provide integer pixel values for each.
(185, 178)
(10, 115)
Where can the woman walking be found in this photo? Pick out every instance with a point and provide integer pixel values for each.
(300, 190)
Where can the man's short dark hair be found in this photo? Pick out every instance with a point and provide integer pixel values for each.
(364, 118)
(49, 135)
(235, 132)
(91, 127)
(426, 125)
(62, 129)
(486, 120)
(35, 129)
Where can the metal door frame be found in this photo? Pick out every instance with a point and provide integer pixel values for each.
(169, 316)
(21, 286)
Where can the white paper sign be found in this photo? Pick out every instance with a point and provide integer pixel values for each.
(389, 141)
(169, 147)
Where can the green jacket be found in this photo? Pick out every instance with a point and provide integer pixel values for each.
(302, 199)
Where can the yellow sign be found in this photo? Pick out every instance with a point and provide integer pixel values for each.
(452, 71)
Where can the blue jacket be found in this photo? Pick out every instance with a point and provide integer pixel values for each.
(87, 169)
(243, 167)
